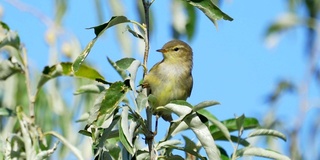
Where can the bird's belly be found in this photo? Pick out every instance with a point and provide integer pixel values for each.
(170, 89)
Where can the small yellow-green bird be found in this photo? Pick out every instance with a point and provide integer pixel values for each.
(171, 79)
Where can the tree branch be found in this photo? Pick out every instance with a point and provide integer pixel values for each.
(149, 135)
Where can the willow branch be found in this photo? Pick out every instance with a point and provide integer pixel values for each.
(149, 135)
(28, 83)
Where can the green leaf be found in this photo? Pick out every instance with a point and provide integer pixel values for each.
(120, 71)
(175, 128)
(90, 88)
(61, 8)
(191, 148)
(11, 38)
(105, 120)
(260, 152)
(124, 135)
(8, 68)
(65, 69)
(191, 22)
(210, 10)
(216, 123)
(218, 136)
(109, 133)
(113, 96)
(189, 144)
(283, 86)
(85, 133)
(141, 100)
(195, 124)
(181, 102)
(239, 122)
(94, 111)
(6, 112)
(171, 157)
(205, 104)
(248, 123)
(4, 26)
(113, 148)
(267, 132)
(189, 153)
(173, 144)
(83, 117)
(166, 144)
(283, 23)
(98, 30)
(126, 64)
(134, 33)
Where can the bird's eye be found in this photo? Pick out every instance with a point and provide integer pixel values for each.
(176, 49)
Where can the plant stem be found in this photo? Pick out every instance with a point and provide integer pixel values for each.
(149, 135)
(28, 84)
(146, 6)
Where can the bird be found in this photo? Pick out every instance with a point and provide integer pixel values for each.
(170, 79)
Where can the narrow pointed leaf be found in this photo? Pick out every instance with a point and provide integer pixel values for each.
(205, 104)
(8, 68)
(94, 110)
(249, 123)
(134, 33)
(124, 63)
(175, 128)
(218, 136)
(191, 22)
(141, 100)
(267, 132)
(65, 69)
(113, 96)
(120, 71)
(240, 121)
(210, 10)
(10, 38)
(165, 144)
(200, 129)
(98, 30)
(222, 128)
(129, 64)
(4, 26)
(260, 152)
(90, 88)
(124, 134)
(189, 152)
(6, 112)
(191, 148)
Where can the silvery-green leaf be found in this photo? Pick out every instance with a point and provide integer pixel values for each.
(267, 132)
(260, 152)
(200, 129)
(8, 68)
(124, 135)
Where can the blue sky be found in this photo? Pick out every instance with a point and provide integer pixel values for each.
(232, 64)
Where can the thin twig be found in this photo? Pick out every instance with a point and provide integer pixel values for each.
(146, 6)
(28, 84)
(149, 135)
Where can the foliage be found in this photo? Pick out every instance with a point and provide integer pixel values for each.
(114, 122)
(307, 116)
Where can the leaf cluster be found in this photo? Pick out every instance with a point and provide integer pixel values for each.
(115, 122)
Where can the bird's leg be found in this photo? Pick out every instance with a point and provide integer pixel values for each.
(156, 126)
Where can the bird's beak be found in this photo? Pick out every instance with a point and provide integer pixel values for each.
(161, 50)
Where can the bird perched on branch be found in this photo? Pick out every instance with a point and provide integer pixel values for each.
(171, 79)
